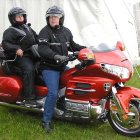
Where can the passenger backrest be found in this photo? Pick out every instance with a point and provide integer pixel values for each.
(2, 55)
(3, 62)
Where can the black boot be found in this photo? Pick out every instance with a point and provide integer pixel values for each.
(47, 127)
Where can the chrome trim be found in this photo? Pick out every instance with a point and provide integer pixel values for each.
(85, 90)
(136, 99)
(107, 86)
(77, 101)
(88, 112)
(128, 121)
(121, 84)
(21, 107)
(12, 60)
(95, 111)
(116, 101)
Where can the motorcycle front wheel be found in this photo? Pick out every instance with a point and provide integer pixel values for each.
(124, 124)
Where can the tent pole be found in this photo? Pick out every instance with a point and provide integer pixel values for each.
(121, 36)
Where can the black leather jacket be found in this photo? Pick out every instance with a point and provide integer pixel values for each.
(16, 37)
(56, 41)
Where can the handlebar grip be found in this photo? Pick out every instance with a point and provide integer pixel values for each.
(70, 57)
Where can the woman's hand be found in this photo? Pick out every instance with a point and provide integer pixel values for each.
(19, 52)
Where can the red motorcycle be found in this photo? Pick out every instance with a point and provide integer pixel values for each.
(93, 89)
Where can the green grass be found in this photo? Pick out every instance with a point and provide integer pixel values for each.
(17, 125)
(135, 80)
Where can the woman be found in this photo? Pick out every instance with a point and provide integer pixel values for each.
(55, 42)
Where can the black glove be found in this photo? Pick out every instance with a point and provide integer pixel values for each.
(60, 58)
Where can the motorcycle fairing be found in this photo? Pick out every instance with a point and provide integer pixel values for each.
(42, 91)
(88, 88)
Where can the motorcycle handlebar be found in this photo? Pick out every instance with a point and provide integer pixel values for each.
(70, 57)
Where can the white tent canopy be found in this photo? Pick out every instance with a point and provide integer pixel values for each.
(90, 21)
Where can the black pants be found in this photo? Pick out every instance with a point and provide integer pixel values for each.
(27, 69)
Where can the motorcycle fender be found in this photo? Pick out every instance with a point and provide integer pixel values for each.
(124, 96)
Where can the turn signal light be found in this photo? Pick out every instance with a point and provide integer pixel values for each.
(120, 46)
(113, 108)
(125, 117)
(86, 54)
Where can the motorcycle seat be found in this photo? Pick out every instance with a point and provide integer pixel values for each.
(10, 69)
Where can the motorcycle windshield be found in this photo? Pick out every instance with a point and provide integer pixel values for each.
(102, 47)
(99, 39)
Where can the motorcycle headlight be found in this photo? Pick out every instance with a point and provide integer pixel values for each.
(122, 72)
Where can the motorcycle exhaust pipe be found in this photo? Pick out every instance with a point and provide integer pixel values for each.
(22, 107)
